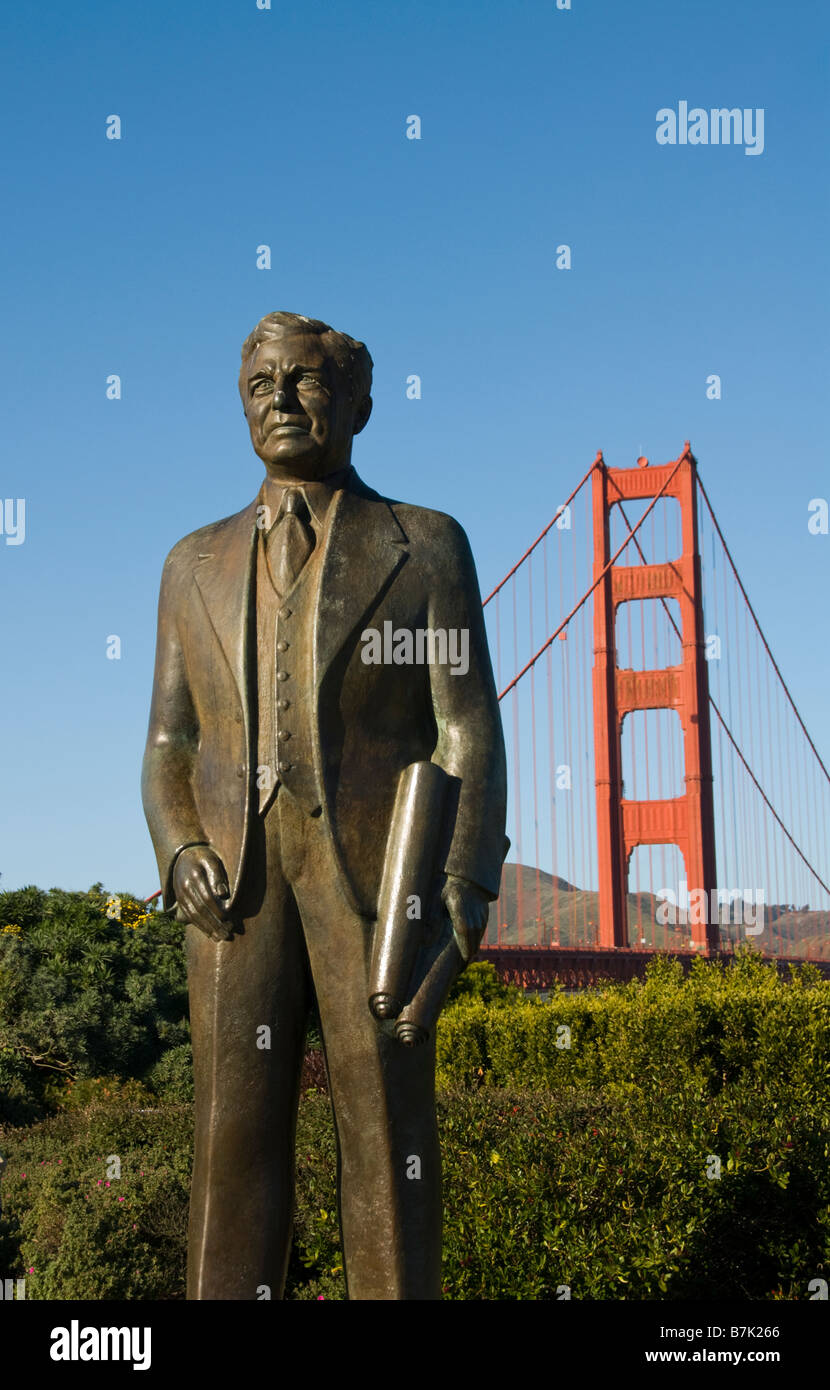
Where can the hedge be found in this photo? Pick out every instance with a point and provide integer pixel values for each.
(660, 1140)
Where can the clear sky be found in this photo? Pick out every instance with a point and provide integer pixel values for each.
(287, 127)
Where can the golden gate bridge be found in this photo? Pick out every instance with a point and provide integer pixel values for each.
(665, 793)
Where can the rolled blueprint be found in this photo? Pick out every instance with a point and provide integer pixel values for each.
(410, 871)
(438, 967)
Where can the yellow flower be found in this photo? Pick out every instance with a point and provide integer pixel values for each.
(134, 915)
(12, 929)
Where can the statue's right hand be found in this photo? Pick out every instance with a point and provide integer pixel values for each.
(200, 886)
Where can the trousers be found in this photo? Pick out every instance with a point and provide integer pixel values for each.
(296, 936)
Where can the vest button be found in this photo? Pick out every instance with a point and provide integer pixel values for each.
(240, 770)
(282, 675)
(284, 735)
(285, 611)
(283, 704)
(284, 767)
(282, 645)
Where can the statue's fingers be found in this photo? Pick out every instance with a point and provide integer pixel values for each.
(208, 924)
(461, 931)
(193, 914)
(211, 913)
(203, 886)
(217, 878)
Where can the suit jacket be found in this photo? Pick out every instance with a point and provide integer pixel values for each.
(381, 561)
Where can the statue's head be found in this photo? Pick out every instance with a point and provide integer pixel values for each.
(305, 390)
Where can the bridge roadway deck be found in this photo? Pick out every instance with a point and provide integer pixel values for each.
(578, 967)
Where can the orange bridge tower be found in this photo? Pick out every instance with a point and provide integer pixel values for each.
(688, 820)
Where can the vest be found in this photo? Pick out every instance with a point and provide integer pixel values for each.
(285, 693)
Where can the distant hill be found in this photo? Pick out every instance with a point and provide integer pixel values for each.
(536, 906)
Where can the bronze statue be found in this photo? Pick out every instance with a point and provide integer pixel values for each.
(311, 650)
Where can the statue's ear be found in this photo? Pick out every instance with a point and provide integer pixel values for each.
(361, 415)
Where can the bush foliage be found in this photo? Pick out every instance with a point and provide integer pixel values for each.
(86, 995)
(661, 1140)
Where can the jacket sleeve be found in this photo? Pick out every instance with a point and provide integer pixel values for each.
(470, 743)
(172, 740)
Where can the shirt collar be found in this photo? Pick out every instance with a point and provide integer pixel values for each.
(318, 494)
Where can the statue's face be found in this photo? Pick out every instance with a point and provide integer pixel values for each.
(298, 406)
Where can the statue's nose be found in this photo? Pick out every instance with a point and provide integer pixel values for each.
(279, 400)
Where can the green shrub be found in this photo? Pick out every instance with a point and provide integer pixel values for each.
(735, 1026)
(673, 1143)
(98, 1090)
(481, 981)
(172, 1076)
(85, 995)
(80, 1234)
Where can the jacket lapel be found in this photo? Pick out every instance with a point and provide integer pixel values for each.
(224, 575)
(365, 548)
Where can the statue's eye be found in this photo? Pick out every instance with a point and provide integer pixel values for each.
(309, 381)
(263, 385)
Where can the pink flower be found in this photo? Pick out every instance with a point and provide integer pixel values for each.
(107, 1184)
(320, 1298)
(99, 1182)
(120, 1199)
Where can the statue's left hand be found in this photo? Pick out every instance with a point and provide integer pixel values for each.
(468, 906)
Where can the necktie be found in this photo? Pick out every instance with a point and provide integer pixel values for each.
(291, 540)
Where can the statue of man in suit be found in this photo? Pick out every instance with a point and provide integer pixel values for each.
(273, 756)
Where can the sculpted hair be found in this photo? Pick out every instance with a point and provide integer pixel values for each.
(351, 356)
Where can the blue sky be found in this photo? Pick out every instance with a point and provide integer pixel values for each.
(287, 127)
